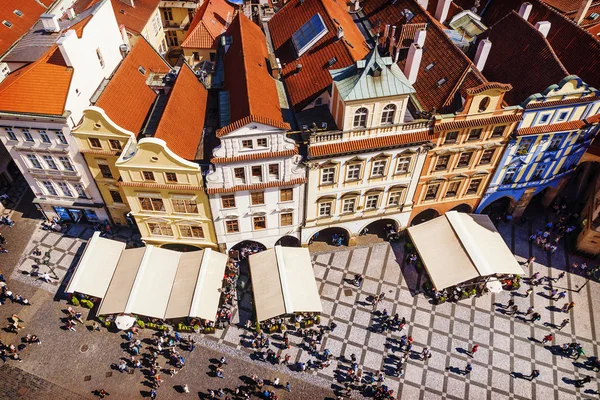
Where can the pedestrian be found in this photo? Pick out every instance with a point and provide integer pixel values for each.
(474, 350)
(535, 317)
(192, 344)
(534, 374)
(580, 352)
(563, 323)
(530, 310)
(581, 382)
(153, 394)
(510, 303)
(570, 306)
(547, 338)
(468, 368)
(288, 387)
(560, 276)
(528, 292)
(553, 293)
(561, 295)
(186, 389)
(514, 310)
(425, 354)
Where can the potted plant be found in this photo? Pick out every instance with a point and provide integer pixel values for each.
(74, 301)
(209, 329)
(141, 324)
(257, 327)
(317, 319)
(441, 299)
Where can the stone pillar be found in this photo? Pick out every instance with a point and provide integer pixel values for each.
(522, 204)
(552, 192)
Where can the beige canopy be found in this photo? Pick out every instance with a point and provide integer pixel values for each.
(283, 282)
(457, 247)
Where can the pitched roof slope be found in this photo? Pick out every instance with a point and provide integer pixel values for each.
(528, 51)
(314, 77)
(210, 21)
(134, 18)
(127, 99)
(182, 121)
(31, 11)
(38, 88)
(444, 70)
(252, 90)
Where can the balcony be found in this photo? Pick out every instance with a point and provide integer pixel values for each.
(366, 133)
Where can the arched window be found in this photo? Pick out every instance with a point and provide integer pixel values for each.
(360, 118)
(387, 117)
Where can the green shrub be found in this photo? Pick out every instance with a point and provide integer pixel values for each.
(163, 328)
(408, 246)
(141, 323)
(86, 303)
(209, 329)
(441, 300)
(318, 319)
(257, 327)
(74, 301)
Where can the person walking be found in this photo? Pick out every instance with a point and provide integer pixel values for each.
(468, 368)
(153, 394)
(547, 338)
(528, 292)
(580, 352)
(534, 374)
(581, 382)
(288, 387)
(561, 295)
(186, 389)
(563, 323)
(474, 350)
(535, 317)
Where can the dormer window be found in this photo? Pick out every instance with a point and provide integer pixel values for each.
(387, 117)
(360, 118)
(309, 34)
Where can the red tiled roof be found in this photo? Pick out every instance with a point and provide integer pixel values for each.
(593, 119)
(127, 99)
(380, 142)
(314, 77)
(254, 156)
(248, 120)
(487, 86)
(563, 126)
(574, 100)
(209, 22)
(159, 186)
(256, 186)
(450, 66)
(41, 87)
(471, 123)
(569, 9)
(528, 50)
(252, 90)
(31, 10)
(182, 122)
(134, 18)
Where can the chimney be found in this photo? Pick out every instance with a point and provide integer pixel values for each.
(441, 12)
(128, 2)
(298, 68)
(68, 46)
(340, 32)
(582, 11)
(50, 22)
(397, 54)
(357, 5)
(393, 33)
(413, 61)
(386, 31)
(483, 51)
(70, 13)
(543, 27)
(525, 10)
(124, 35)
(423, 3)
(420, 37)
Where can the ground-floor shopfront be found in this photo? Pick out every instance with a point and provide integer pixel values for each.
(74, 212)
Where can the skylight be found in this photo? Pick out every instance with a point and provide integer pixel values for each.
(309, 34)
(7, 23)
(18, 13)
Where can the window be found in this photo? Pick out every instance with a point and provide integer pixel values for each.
(50, 162)
(475, 134)
(161, 228)
(232, 226)
(66, 163)
(191, 231)
(100, 58)
(151, 204)
(524, 146)
(61, 137)
(325, 209)
(94, 142)
(353, 172)
(451, 137)
(172, 38)
(287, 219)
(167, 14)
(261, 142)
(33, 160)
(65, 189)
(257, 198)
(474, 186)
(387, 116)
(403, 165)
(115, 144)
(171, 177)
(486, 157)
(544, 118)
(348, 205)
(44, 136)
(562, 116)
(10, 133)
(156, 24)
(378, 168)
(555, 143)
(442, 163)
(539, 171)
(184, 206)
(484, 104)
(498, 131)
(308, 34)
(360, 118)
(464, 160)
(18, 13)
(327, 176)
(6, 23)
(148, 175)
(27, 135)
(274, 171)
(257, 173)
(431, 192)
(259, 222)
(509, 175)
(452, 190)
(228, 201)
(105, 171)
(247, 144)
(395, 198)
(286, 194)
(80, 191)
(371, 202)
(49, 188)
(239, 175)
(116, 196)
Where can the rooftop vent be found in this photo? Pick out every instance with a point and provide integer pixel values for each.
(18, 13)
(6, 23)
(441, 82)
(331, 61)
(142, 70)
(298, 67)
(429, 66)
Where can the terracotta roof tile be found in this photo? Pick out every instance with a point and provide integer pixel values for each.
(252, 89)
(593, 120)
(252, 118)
(134, 18)
(471, 123)
(127, 99)
(380, 142)
(182, 122)
(575, 100)
(159, 186)
(31, 10)
(256, 186)
(563, 126)
(254, 156)
(41, 87)
(314, 77)
(210, 22)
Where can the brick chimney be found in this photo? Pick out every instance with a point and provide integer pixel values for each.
(582, 11)
(543, 27)
(413, 61)
(483, 51)
(441, 12)
(525, 10)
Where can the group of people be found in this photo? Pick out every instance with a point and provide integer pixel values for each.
(7, 294)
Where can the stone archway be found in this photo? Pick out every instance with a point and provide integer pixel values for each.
(384, 228)
(500, 206)
(424, 216)
(288, 241)
(331, 236)
(463, 208)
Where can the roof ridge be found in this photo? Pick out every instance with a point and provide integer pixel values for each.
(245, 59)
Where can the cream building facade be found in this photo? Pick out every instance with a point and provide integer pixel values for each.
(176, 18)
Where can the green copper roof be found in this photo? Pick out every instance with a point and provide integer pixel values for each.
(373, 77)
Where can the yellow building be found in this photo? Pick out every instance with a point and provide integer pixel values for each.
(142, 18)
(176, 18)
